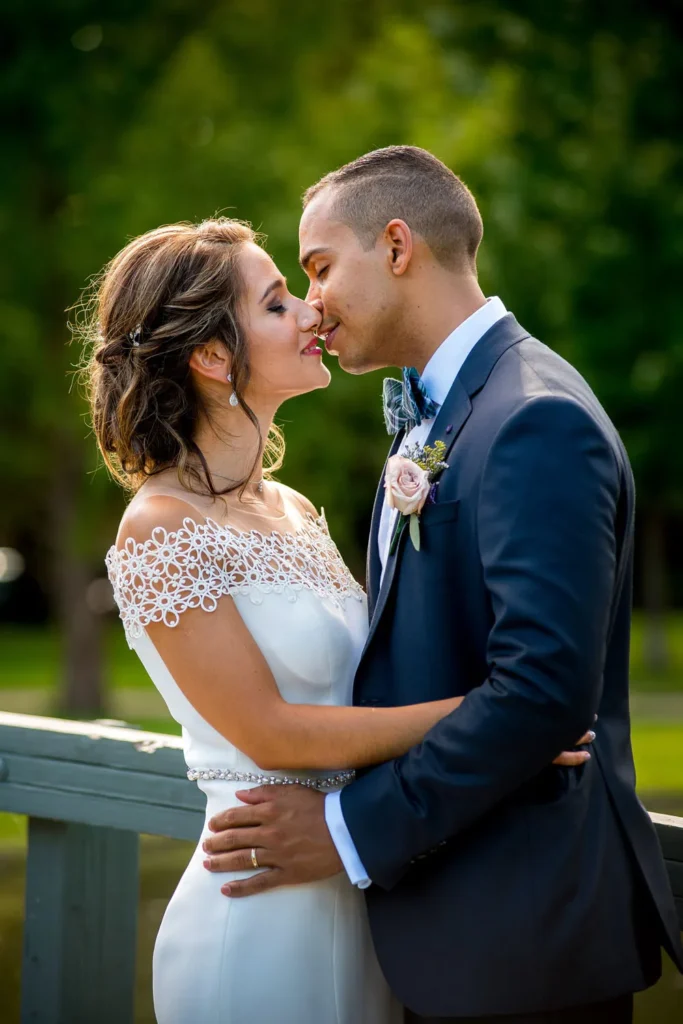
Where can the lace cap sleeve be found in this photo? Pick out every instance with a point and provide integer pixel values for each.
(160, 578)
(156, 580)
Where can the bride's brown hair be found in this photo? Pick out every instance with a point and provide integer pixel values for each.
(164, 294)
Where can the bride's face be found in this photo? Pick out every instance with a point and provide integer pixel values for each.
(284, 355)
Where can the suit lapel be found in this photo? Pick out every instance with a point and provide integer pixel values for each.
(450, 420)
(448, 424)
(452, 417)
(374, 565)
(385, 588)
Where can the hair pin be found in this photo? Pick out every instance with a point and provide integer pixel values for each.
(134, 335)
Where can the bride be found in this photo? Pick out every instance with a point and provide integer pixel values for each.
(239, 606)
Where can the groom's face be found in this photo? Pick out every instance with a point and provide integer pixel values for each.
(352, 286)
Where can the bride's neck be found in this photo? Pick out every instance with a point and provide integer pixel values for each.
(231, 446)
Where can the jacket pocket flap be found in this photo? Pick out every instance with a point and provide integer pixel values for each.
(440, 512)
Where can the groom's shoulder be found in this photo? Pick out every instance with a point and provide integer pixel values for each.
(537, 386)
(539, 370)
(532, 382)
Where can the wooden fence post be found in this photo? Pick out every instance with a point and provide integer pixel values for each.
(80, 925)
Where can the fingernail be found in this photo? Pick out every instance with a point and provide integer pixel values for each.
(205, 847)
(586, 756)
(591, 734)
(225, 889)
(207, 863)
(212, 826)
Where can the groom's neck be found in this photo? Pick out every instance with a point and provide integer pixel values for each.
(440, 306)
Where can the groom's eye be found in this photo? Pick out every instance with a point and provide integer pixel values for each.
(321, 273)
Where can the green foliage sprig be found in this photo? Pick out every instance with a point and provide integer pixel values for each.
(429, 458)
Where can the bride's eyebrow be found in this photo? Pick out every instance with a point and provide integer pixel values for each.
(280, 283)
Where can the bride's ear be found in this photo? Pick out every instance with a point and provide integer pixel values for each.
(211, 360)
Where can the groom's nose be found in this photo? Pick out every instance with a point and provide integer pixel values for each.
(313, 296)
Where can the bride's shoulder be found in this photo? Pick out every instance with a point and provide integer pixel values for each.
(300, 501)
(152, 514)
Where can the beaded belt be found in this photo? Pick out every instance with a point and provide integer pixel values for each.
(322, 783)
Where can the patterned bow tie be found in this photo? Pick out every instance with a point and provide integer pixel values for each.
(406, 402)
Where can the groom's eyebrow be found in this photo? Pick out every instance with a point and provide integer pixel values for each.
(308, 256)
(281, 282)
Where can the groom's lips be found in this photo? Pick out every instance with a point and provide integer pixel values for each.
(329, 336)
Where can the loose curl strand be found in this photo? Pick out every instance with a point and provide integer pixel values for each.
(164, 294)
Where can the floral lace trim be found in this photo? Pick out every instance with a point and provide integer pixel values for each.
(194, 566)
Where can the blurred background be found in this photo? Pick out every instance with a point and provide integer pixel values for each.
(563, 118)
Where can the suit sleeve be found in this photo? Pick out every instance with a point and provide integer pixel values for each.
(547, 542)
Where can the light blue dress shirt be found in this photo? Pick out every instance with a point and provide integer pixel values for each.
(439, 376)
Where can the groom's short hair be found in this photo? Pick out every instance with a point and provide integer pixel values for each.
(411, 184)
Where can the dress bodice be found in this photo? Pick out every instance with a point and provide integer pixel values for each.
(293, 591)
(308, 616)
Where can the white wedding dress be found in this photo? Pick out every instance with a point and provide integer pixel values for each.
(295, 955)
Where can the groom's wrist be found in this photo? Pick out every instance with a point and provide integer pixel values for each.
(341, 837)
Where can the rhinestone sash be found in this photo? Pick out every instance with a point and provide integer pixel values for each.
(321, 783)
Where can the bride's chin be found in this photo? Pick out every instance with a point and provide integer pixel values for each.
(320, 379)
(305, 388)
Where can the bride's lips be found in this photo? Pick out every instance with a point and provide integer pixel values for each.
(313, 348)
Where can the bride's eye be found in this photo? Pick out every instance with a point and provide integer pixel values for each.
(277, 308)
(321, 273)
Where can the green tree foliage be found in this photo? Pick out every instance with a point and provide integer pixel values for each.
(119, 117)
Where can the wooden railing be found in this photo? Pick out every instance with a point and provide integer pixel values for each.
(89, 790)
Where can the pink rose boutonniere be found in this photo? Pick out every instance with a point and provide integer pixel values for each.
(410, 482)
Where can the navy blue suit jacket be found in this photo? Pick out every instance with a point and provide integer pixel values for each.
(503, 883)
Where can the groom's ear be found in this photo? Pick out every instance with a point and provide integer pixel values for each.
(398, 239)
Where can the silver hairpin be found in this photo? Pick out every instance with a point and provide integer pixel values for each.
(134, 335)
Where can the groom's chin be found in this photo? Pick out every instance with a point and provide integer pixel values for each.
(359, 365)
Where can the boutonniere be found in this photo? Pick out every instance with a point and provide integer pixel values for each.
(410, 483)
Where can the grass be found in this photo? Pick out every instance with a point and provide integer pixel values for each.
(31, 658)
(658, 753)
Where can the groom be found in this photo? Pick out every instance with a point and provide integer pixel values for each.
(498, 888)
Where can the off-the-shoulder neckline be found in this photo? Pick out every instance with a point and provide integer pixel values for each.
(190, 525)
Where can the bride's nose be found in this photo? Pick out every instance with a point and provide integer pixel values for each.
(311, 316)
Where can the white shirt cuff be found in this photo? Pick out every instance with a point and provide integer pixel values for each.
(341, 837)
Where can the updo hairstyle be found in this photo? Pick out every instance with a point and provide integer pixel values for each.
(164, 294)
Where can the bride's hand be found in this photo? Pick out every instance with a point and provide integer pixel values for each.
(571, 758)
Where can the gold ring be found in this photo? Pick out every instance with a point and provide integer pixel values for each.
(254, 859)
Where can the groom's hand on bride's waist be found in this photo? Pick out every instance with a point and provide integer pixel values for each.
(281, 830)
(284, 827)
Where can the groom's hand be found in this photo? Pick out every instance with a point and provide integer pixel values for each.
(285, 826)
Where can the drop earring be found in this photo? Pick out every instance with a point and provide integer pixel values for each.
(234, 400)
